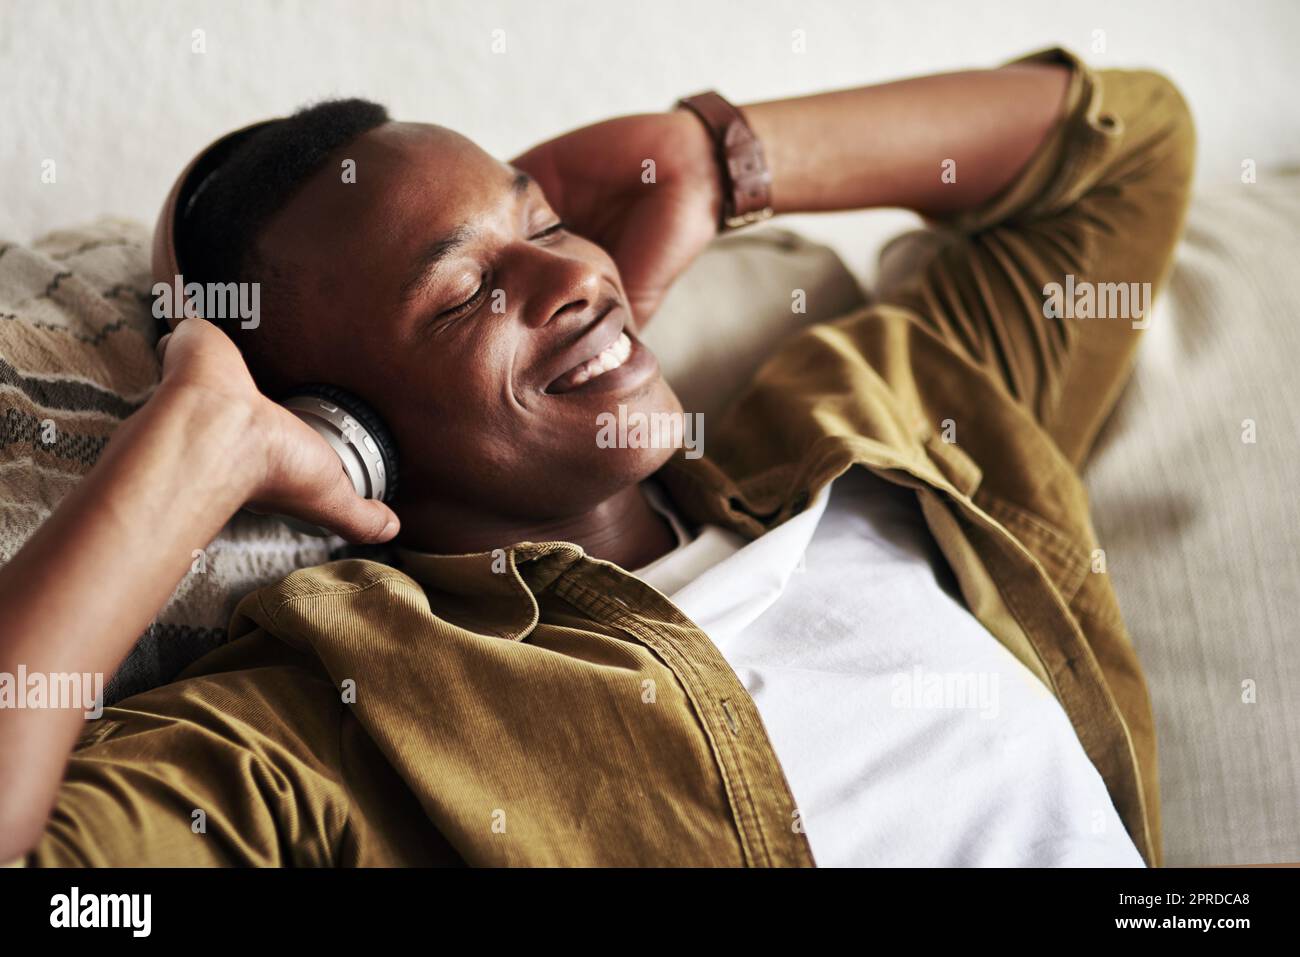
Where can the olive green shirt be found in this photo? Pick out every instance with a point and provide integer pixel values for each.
(537, 706)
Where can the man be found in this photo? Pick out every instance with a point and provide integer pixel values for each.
(550, 672)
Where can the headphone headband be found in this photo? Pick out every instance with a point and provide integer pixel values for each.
(352, 428)
(166, 260)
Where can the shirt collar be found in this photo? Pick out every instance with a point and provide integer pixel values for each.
(492, 591)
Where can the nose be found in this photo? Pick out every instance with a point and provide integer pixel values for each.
(559, 286)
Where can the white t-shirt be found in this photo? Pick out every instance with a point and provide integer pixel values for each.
(908, 734)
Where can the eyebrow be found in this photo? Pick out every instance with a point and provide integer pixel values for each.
(427, 260)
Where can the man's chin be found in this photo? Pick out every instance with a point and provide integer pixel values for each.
(637, 437)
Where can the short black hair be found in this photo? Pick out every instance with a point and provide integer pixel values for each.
(218, 228)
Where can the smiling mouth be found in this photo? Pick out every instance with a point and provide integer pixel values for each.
(609, 359)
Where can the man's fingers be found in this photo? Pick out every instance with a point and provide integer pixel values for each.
(368, 522)
(360, 520)
(337, 509)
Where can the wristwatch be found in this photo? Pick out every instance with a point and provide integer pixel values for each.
(746, 180)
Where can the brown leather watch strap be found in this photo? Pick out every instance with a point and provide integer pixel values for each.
(746, 180)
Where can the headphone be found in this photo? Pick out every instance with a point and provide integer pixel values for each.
(351, 427)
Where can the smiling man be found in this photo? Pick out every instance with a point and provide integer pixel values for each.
(500, 334)
(864, 628)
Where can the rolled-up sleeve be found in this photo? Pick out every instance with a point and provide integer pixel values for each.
(1066, 165)
(1101, 204)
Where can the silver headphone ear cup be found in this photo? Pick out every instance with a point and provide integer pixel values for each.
(356, 433)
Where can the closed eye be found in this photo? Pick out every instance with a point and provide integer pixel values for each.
(469, 303)
(549, 231)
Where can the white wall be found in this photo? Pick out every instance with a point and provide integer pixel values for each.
(112, 92)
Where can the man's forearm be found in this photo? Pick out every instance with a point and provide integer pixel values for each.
(88, 582)
(887, 145)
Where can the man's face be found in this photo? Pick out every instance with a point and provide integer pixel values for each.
(438, 289)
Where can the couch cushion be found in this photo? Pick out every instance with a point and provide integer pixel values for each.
(1193, 485)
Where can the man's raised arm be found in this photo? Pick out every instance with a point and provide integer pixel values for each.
(83, 588)
(886, 145)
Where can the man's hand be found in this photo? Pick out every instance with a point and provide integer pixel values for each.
(290, 469)
(646, 188)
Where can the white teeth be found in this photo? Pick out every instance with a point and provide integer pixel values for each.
(610, 359)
